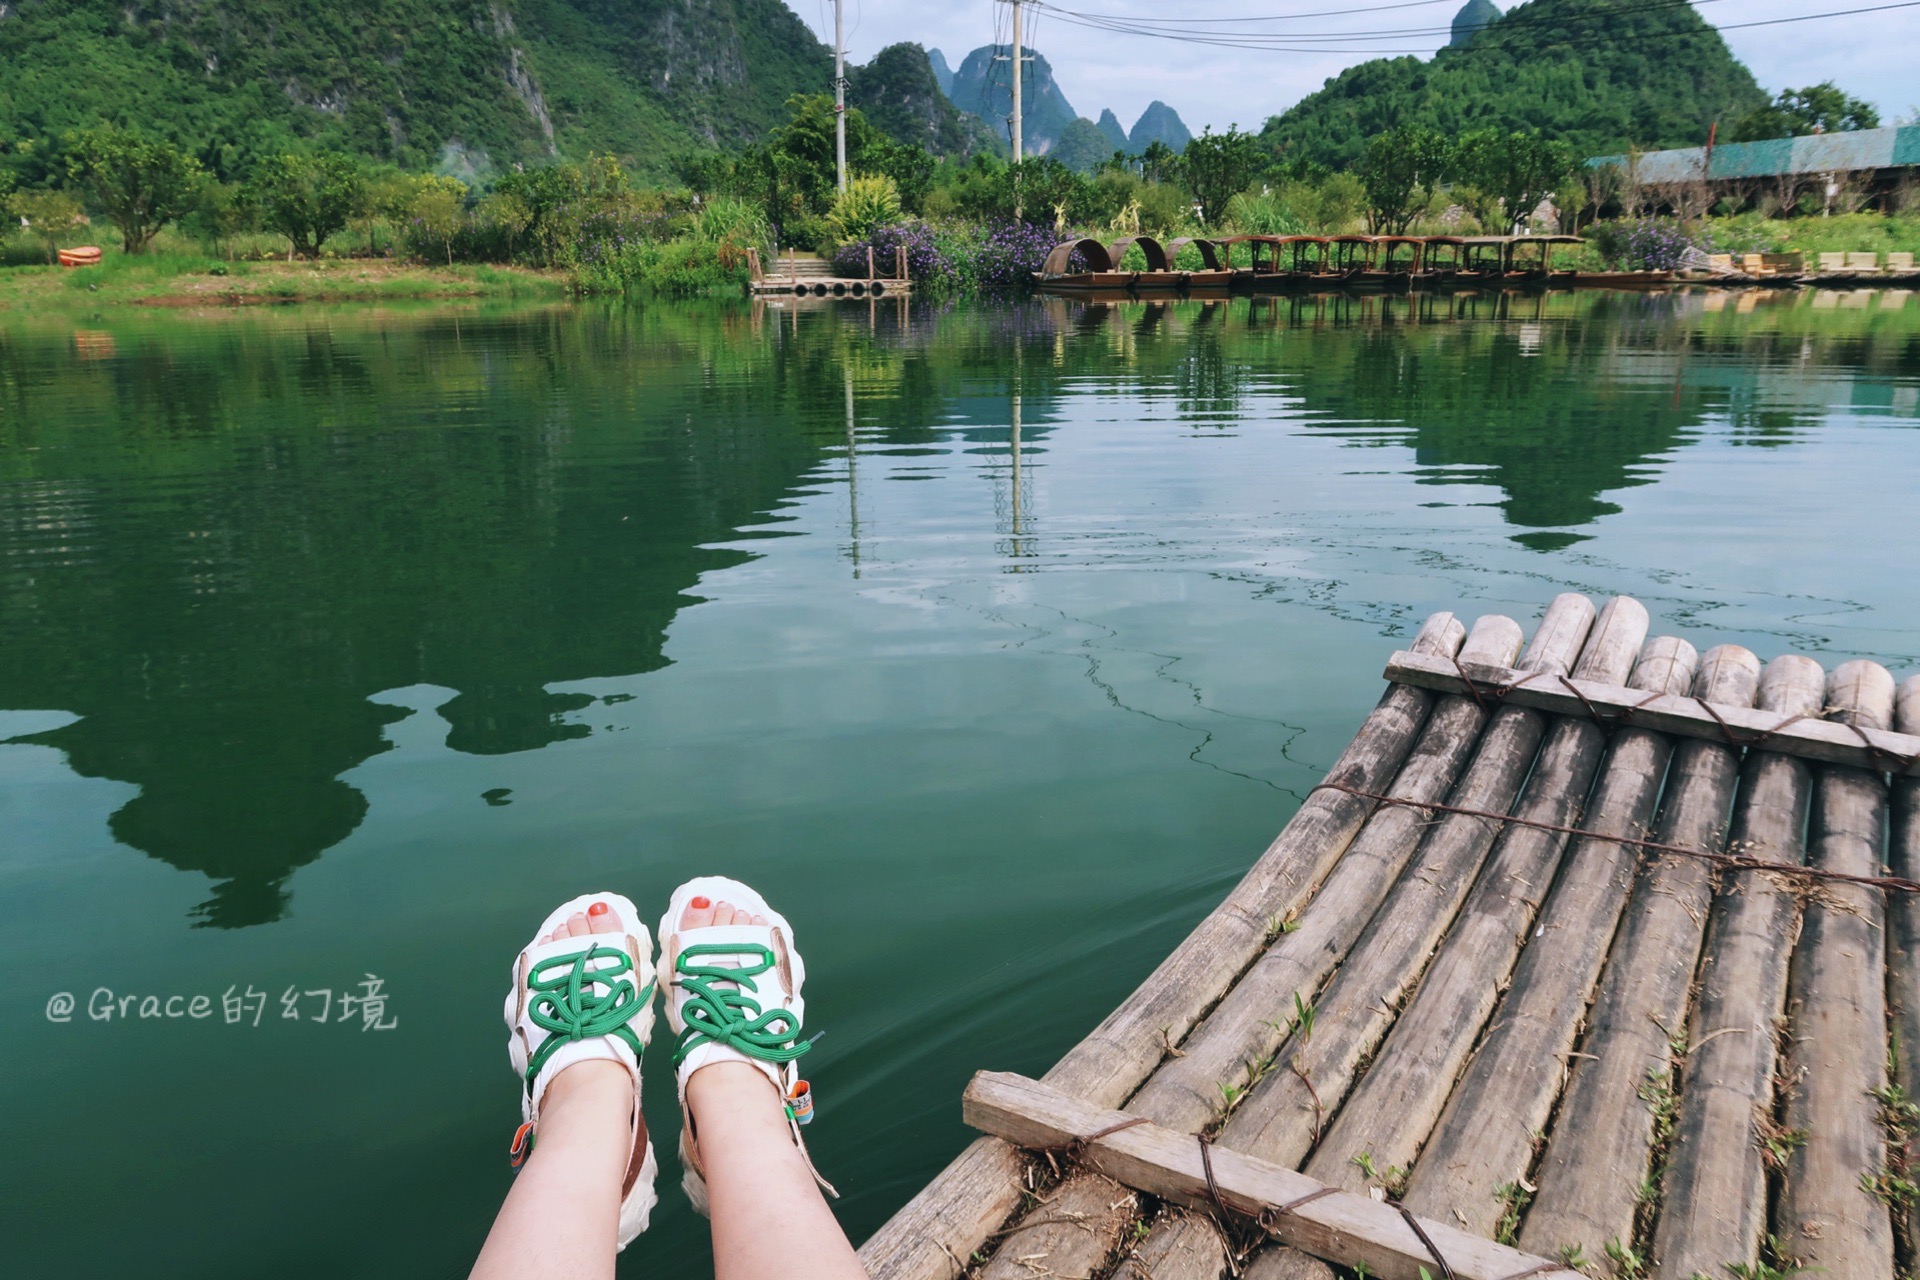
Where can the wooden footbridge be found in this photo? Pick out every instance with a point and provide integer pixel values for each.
(1596, 958)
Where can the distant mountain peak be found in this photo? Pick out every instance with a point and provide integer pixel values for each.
(1159, 123)
(942, 73)
(1473, 17)
(1111, 127)
(983, 85)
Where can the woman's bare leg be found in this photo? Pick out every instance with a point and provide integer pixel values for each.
(769, 1219)
(562, 1216)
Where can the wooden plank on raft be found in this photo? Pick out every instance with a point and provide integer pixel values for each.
(1349, 1229)
(1068, 1231)
(1612, 1117)
(1386, 1121)
(1474, 1169)
(952, 1217)
(1833, 1215)
(1824, 741)
(1903, 969)
(1713, 1203)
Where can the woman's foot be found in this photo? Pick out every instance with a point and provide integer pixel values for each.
(579, 1013)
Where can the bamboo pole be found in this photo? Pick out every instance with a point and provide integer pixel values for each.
(1282, 1117)
(1239, 1037)
(1085, 1214)
(1713, 1209)
(1397, 1102)
(953, 1215)
(1482, 1148)
(1601, 1148)
(1832, 1214)
(1903, 955)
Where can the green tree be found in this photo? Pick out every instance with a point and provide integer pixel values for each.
(307, 198)
(140, 183)
(1818, 108)
(1399, 171)
(1218, 166)
(220, 212)
(1521, 168)
(440, 206)
(1159, 162)
(51, 217)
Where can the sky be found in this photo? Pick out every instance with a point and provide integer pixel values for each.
(1875, 56)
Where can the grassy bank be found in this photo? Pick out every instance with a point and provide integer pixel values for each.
(192, 280)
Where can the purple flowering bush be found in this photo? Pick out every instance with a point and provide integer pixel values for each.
(926, 261)
(1007, 256)
(1647, 244)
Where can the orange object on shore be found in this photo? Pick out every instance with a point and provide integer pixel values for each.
(84, 256)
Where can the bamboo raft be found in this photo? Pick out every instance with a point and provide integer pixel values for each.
(1596, 958)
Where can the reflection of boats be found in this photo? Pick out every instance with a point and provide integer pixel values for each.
(1621, 279)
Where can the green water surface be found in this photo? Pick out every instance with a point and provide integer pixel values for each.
(343, 644)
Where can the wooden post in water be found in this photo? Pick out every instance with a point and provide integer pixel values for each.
(1473, 1168)
(1400, 1098)
(1833, 1211)
(954, 1214)
(1903, 953)
(1599, 1157)
(1713, 1209)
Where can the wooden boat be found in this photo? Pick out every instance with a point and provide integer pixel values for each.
(1056, 275)
(1214, 274)
(1514, 265)
(1276, 262)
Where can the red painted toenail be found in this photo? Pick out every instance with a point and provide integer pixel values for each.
(597, 909)
(700, 904)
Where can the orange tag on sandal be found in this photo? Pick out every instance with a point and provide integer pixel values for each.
(800, 1102)
(522, 1144)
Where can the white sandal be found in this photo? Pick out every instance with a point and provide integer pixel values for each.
(578, 1000)
(733, 995)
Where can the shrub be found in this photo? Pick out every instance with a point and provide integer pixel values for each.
(867, 203)
(1263, 214)
(673, 269)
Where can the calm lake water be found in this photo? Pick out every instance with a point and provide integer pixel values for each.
(343, 644)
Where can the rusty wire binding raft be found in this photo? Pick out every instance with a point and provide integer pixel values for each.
(1596, 958)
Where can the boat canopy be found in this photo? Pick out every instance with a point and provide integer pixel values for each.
(1096, 256)
(1158, 259)
(1209, 252)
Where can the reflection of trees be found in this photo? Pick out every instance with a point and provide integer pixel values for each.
(220, 543)
(260, 529)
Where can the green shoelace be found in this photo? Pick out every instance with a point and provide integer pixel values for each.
(730, 1015)
(566, 1003)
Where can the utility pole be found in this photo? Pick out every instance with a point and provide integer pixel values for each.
(840, 94)
(1017, 60)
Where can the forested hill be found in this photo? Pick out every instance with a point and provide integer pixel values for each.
(1603, 75)
(421, 82)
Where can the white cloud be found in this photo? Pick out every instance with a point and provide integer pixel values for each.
(1871, 55)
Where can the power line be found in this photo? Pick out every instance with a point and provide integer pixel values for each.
(1308, 44)
(1515, 22)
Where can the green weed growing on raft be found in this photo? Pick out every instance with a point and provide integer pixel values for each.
(1514, 1198)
